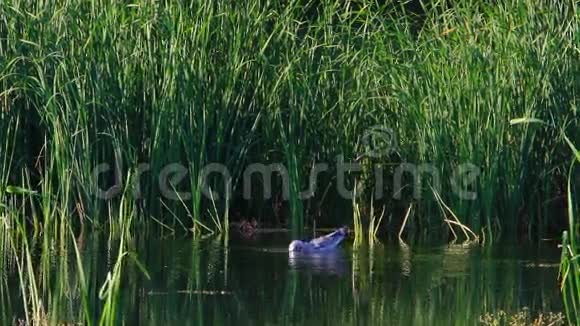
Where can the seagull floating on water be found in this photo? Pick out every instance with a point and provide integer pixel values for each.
(320, 244)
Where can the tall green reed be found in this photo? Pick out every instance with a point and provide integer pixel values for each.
(56, 287)
(569, 267)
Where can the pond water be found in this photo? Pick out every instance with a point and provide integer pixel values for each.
(255, 281)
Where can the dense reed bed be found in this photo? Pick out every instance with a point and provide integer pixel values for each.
(137, 87)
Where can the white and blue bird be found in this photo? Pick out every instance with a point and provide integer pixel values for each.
(320, 244)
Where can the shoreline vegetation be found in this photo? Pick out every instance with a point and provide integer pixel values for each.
(105, 95)
(292, 84)
(295, 83)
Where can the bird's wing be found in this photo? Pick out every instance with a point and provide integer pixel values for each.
(329, 239)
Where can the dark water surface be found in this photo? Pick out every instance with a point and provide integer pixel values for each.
(256, 282)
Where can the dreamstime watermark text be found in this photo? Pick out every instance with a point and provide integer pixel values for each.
(216, 182)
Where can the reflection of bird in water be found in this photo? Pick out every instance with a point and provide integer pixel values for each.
(325, 243)
(330, 262)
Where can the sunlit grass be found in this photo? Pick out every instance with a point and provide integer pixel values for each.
(294, 83)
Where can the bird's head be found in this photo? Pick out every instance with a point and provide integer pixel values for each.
(296, 246)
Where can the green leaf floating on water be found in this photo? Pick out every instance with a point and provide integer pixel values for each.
(19, 191)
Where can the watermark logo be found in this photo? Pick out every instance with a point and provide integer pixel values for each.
(379, 141)
(215, 181)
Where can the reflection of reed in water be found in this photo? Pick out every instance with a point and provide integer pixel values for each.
(406, 264)
(361, 284)
(456, 259)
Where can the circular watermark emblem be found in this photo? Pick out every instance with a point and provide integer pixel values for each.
(379, 141)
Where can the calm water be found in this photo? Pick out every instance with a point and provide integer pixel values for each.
(255, 282)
